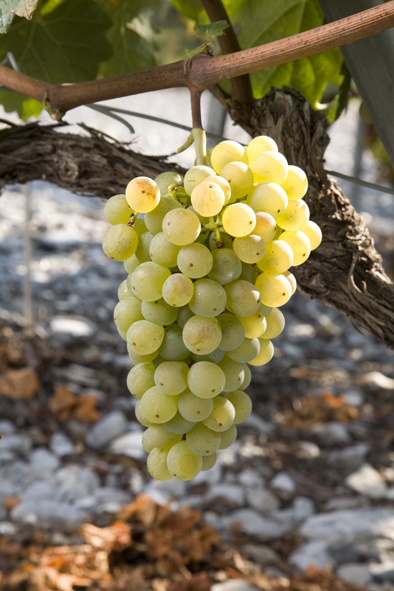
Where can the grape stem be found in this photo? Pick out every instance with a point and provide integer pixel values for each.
(132, 219)
(197, 134)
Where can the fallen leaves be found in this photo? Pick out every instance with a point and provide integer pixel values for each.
(20, 383)
(311, 410)
(64, 404)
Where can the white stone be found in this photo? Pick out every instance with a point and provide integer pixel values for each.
(368, 482)
(282, 482)
(230, 492)
(111, 426)
(75, 327)
(44, 459)
(350, 458)
(333, 433)
(211, 476)
(261, 554)
(129, 445)
(233, 585)
(310, 450)
(303, 507)
(17, 443)
(61, 445)
(262, 500)
(250, 478)
(312, 554)
(357, 574)
(251, 522)
(263, 427)
(383, 571)
(73, 474)
(47, 513)
(6, 427)
(106, 494)
(40, 490)
(378, 379)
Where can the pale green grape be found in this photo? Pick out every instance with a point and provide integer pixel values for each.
(295, 216)
(222, 415)
(239, 177)
(244, 353)
(136, 359)
(144, 337)
(239, 220)
(158, 407)
(278, 257)
(123, 292)
(146, 443)
(173, 347)
(300, 246)
(248, 376)
(131, 264)
(209, 298)
(178, 290)
(167, 179)
(183, 316)
(117, 210)
(158, 360)
(313, 232)
(275, 290)
(265, 226)
(205, 379)
(182, 462)
(254, 325)
(215, 356)
(159, 436)
(226, 266)
(157, 464)
(224, 153)
(139, 415)
(269, 198)
(292, 280)
(202, 335)
(159, 312)
(171, 377)
(140, 379)
(275, 324)
(195, 260)
(261, 143)
(202, 440)
(123, 334)
(194, 408)
(142, 252)
(126, 312)
(233, 372)
(296, 183)
(208, 462)
(154, 219)
(233, 332)
(181, 226)
(120, 242)
(207, 199)
(202, 219)
(162, 251)
(265, 355)
(228, 437)
(249, 249)
(223, 184)
(147, 280)
(195, 176)
(249, 273)
(225, 239)
(243, 299)
(139, 226)
(269, 167)
(142, 194)
(242, 405)
(179, 425)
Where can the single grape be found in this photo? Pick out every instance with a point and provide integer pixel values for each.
(178, 290)
(228, 437)
(142, 194)
(243, 299)
(209, 298)
(275, 290)
(195, 176)
(233, 372)
(131, 263)
(140, 379)
(239, 219)
(222, 415)
(249, 273)
(242, 405)
(269, 167)
(173, 348)
(207, 199)
(139, 415)
(139, 226)
(158, 407)
(147, 280)
(226, 266)
(208, 462)
(296, 183)
(157, 464)
(179, 425)
(126, 312)
(254, 325)
(144, 337)
(123, 291)
(167, 179)
(142, 252)
(226, 152)
(223, 184)
(202, 440)
(146, 443)
(292, 280)
(154, 219)
(248, 376)
(194, 408)
(159, 312)
(120, 242)
(195, 260)
(205, 379)
(171, 377)
(181, 226)
(275, 324)
(117, 210)
(278, 257)
(215, 356)
(162, 251)
(249, 249)
(300, 246)
(269, 198)
(182, 462)
(244, 353)
(183, 316)
(313, 232)
(239, 177)
(233, 333)
(295, 216)
(265, 226)
(265, 355)
(136, 359)
(202, 335)
(159, 436)
(261, 143)
(226, 241)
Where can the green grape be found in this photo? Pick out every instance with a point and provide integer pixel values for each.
(249, 249)
(126, 312)
(159, 312)
(248, 350)
(292, 280)
(248, 376)
(205, 379)
(254, 325)
(300, 245)
(265, 226)
(159, 436)
(195, 176)
(207, 199)
(239, 177)
(139, 226)
(226, 266)
(183, 316)
(140, 379)
(171, 377)
(120, 242)
(173, 347)
(182, 462)
(275, 324)
(202, 440)
(278, 257)
(158, 407)
(248, 273)
(222, 415)
(208, 462)
(242, 405)
(313, 232)
(142, 252)
(215, 356)
(228, 437)
(162, 251)
(123, 292)
(223, 184)
(195, 260)
(225, 239)
(144, 337)
(123, 334)
(145, 442)
(131, 263)
(275, 290)
(226, 152)
(181, 226)
(178, 290)
(265, 355)
(239, 220)
(139, 415)
(157, 464)
(269, 167)
(243, 299)
(142, 194)
(158, 360)
(296, 183)
(202, 335)
(136, 359)
(179, 425)
(261, 143)
(269, 198)
(154, 219)
(147, 280)
(233, 332)
(233, 372)
(167, 179)
(194, 408)
(117, 210)
(295, 216)
(209, 298)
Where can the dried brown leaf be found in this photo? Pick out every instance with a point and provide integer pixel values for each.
(20, 383)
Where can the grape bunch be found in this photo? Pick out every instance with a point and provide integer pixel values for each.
(208, 271)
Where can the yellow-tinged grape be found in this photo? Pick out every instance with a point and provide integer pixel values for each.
(233, 333)
(254, 325)
(293, 282)
(203, 220)
(181, 226)
(239, 220)
(147, 280)
(126, 312)
(269, 167)
(178, 290)
(123, 334)
(278, 257)
(194, 408)
(117, 210)
(171, 377)
(239, 177)
(195, 260)
(120, 242)
(202, 440)
(222, 415)
(223, 184)
(228, 437)
(265, 226)
(139, 226)
(173, 347)
(275, 290)
(146, 443)
(131, 264)
(139, 415)
(154, 219)
(202, 335)
(205, 379)
(140, 379)
(167, 179)
(183, 315)
(265, 355)
(144, 337)
(142, 194)
(182, 462)
(269, 198)
(296, 182)
(136, 359)
(248, 376)
(226, 266)
(243, 299)
(195, 176)
(123, 291)
(157, 464)
(159, 312)
(261, 143)
(226, 152)
(160, 437)
(314, 234)
(249, 249)
(158, 407)
(208, 462)
(275, 324)
(233, 372)
(300, 245)
(225, 239)
(163, 252)
(242, 405)
(209, 298)
(244, 353)
(142, 252)
(179, 425)
(207, 199)
(295, 216)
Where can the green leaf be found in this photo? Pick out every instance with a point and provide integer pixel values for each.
(10, 8)
(344, 91)
(25, 107)
(189, 8)
(213, 29)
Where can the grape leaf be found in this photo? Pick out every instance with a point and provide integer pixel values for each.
(189, 8)
(213, 29)
(25, 107)
(10, 8)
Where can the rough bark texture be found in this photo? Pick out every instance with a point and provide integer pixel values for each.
(345, 272)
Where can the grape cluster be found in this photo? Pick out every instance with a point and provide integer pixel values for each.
(208, 269)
